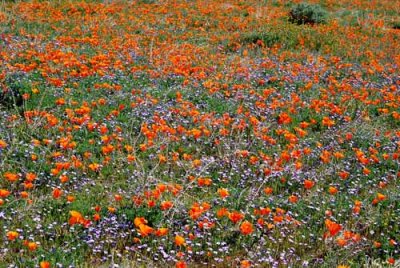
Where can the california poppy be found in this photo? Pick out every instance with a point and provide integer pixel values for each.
(308, 184)
(180, 264)
(223, 192)
(235, 216)
(145, 230)
(4, 193)
(332, 227)
(161, 231)
(57, 193)
(165, 205)
(76, 217)
(11, 177)
(45, 264)
(12, 235)
(179, 240)
(246, 228)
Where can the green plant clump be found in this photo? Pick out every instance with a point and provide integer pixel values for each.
(305, 13)
(396, 25)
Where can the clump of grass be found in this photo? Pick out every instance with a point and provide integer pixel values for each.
(268, 38)
(305, 13)
(287, 37)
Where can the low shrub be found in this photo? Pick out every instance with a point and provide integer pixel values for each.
(10, 93)
(305, 13)
(396, 25)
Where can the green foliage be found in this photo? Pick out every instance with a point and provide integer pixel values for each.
(268, 38)
(282, 36)
(288, 37)
(396, 25)
(305, 13)
(11, 95)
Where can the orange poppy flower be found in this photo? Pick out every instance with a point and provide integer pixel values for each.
(45, 264)
(180, 264)
(145, 230)
(12, 235)
(32, 246)
(284, 119)
(344, 174)
(4, 193)
(24, 194)
(308, 184)
(341, 242)
(96, 217)
(223, 192)
(293, 199)
(161, 232)
(151, 203)
(381, 197)
(139, 220)
(11, 177)
(222, 212)
(325, 157)
(246, 228)
(179, 240)
(278, 218)
(245, 264)
(332, 190)
(235, 216)
(377, 244)
(196, 163)
(3, 144)
(326, 121)
(332, 227)
(64, 178)
(94, 167)
(28, 185)
(117, 197)
(268, 190)
(76, 218)
(30, 177)
(57, 193)
(165, 205)
(204, 181)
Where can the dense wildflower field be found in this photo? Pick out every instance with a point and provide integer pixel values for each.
(199, 134)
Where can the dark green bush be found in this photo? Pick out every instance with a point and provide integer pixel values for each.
(305, 13)
(396, 25)
(10, 98)
(10, 94)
